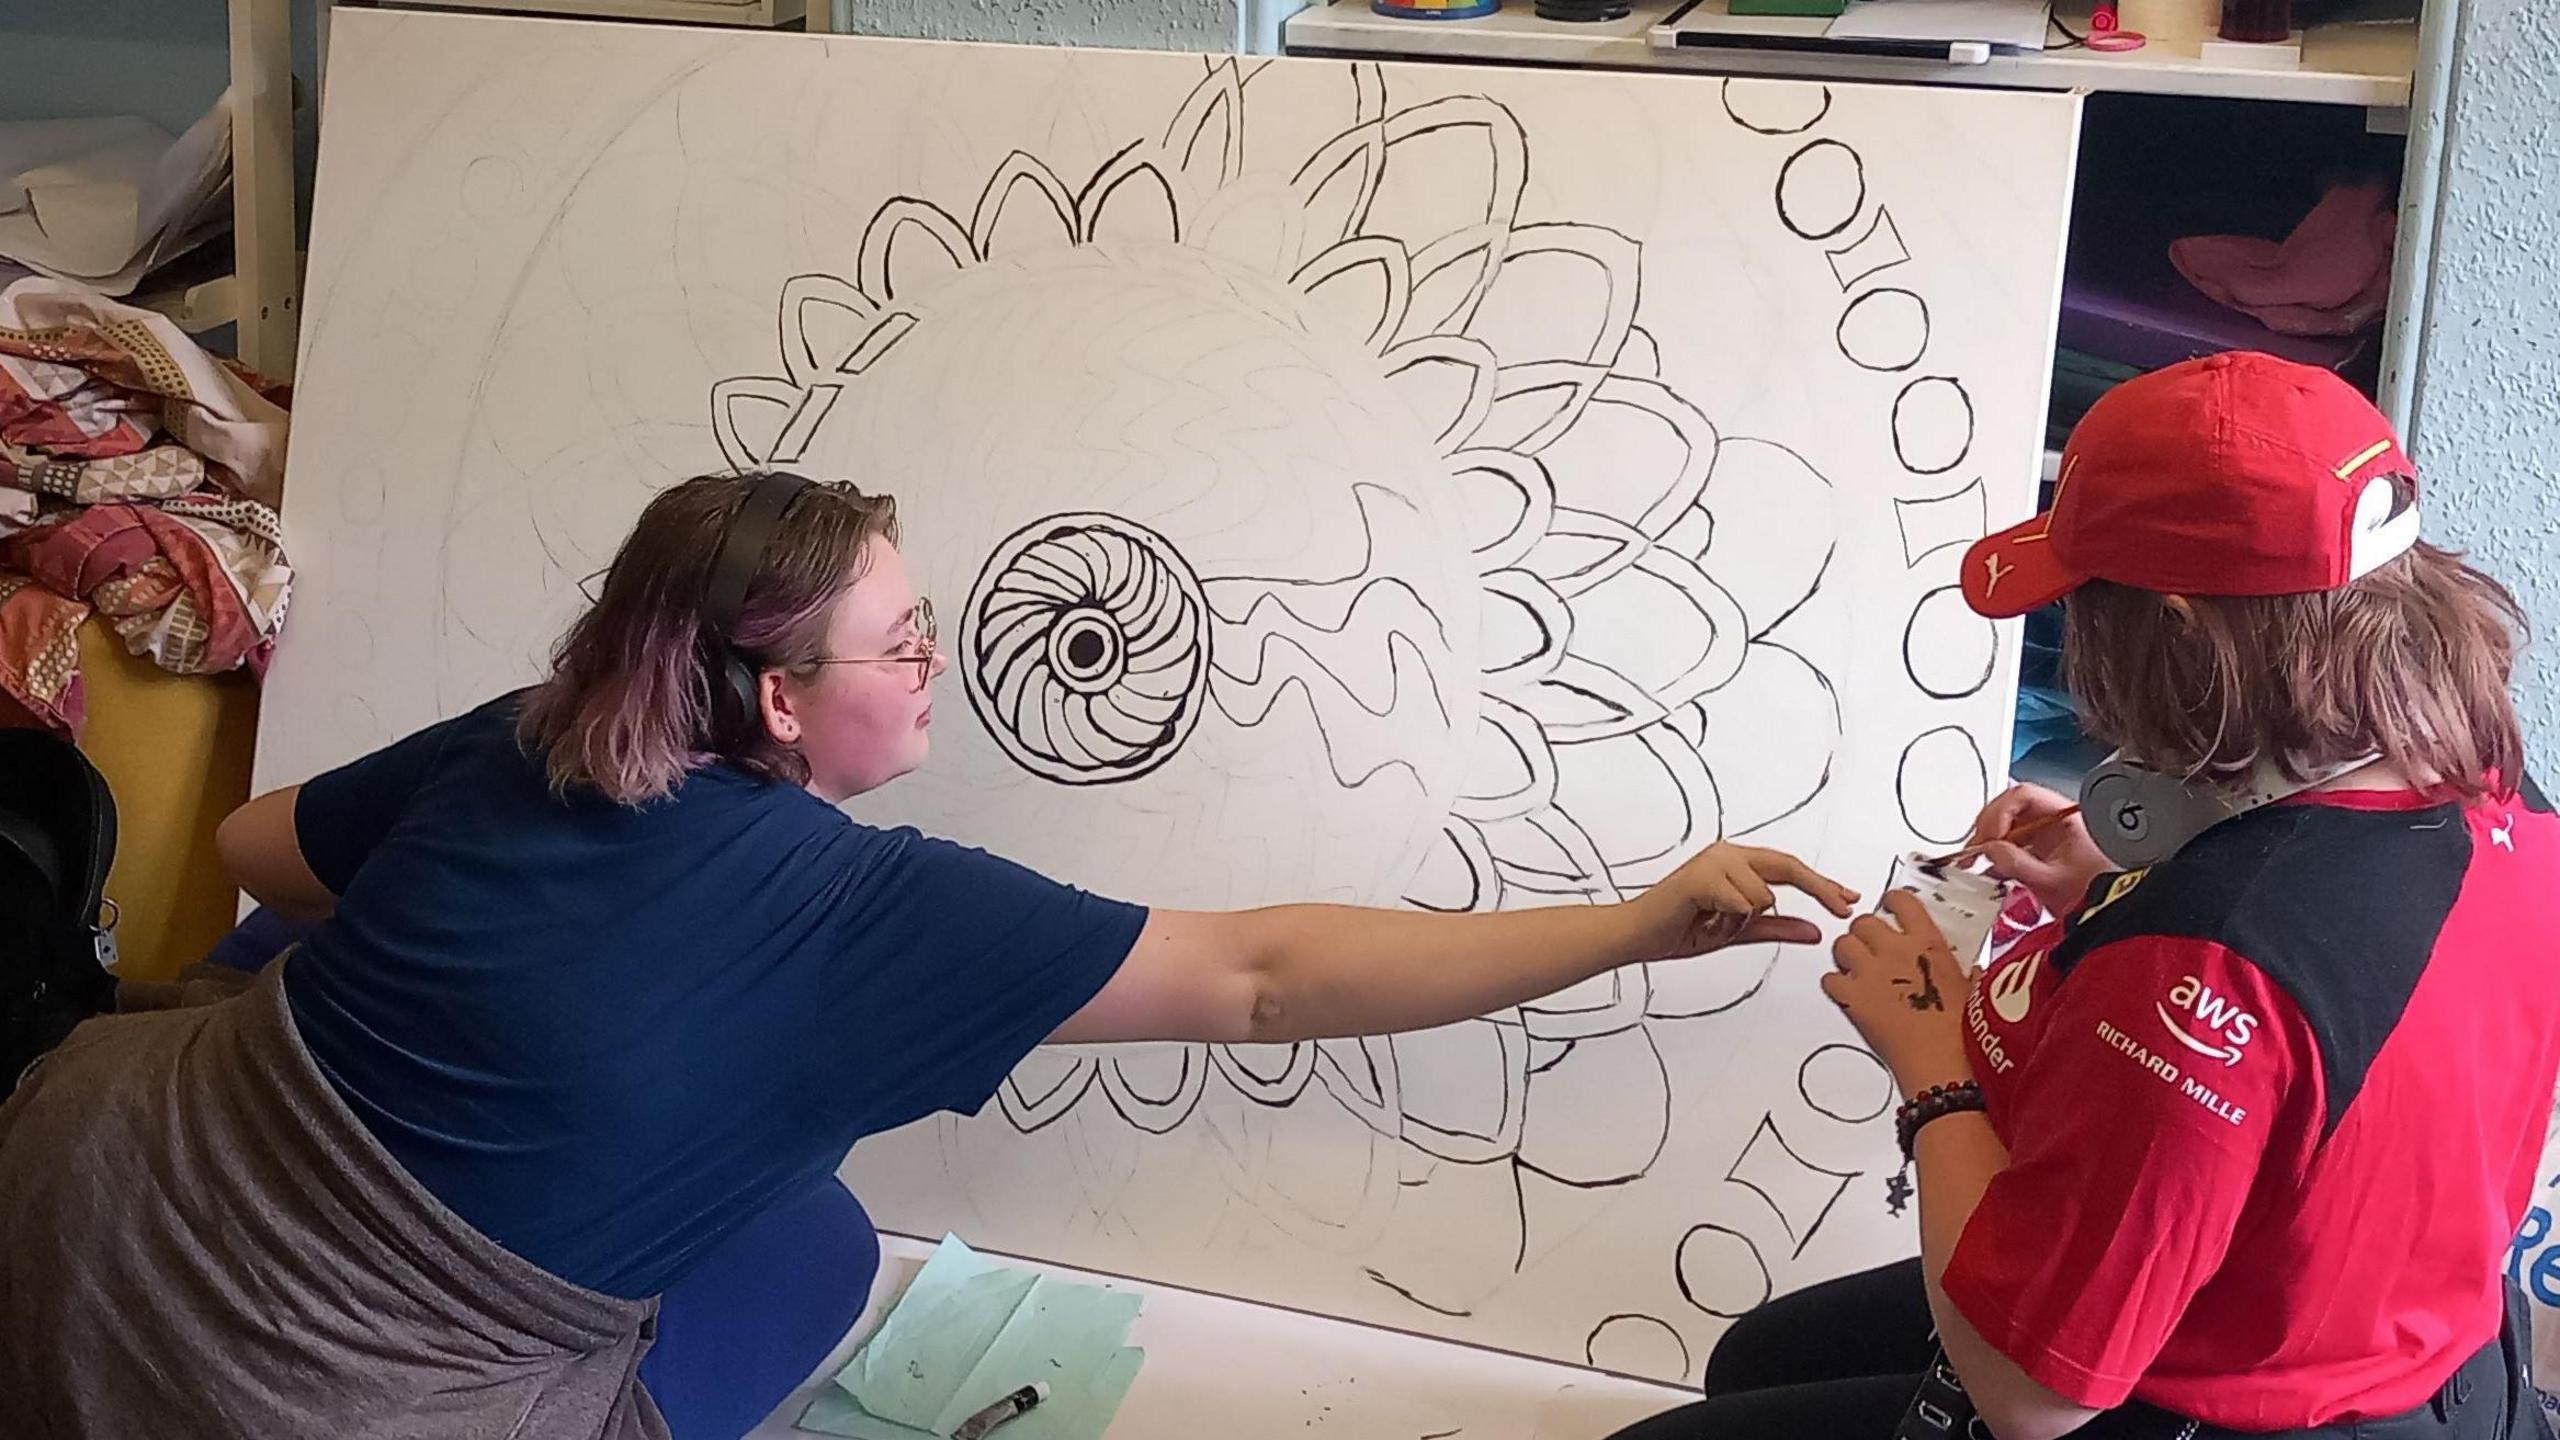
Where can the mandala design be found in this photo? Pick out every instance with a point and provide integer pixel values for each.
(1087, 638)
(1553, 628)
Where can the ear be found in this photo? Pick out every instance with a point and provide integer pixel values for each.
(773, 698)
(2181, 609)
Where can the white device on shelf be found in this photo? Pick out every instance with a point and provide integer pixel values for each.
(1955, 32)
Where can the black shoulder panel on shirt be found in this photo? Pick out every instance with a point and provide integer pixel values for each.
(2339, 907)
(2534, 799)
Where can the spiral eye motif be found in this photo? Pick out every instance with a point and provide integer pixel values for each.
(1086, 648)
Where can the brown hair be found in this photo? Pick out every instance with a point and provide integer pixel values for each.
(2410, 662)
(636, 697)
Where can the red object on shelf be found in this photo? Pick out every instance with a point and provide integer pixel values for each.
(2106, 32)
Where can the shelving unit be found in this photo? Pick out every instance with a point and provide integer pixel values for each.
(261, 295)
(2342, 64)
(266, 278)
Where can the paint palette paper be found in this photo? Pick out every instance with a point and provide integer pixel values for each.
(968, 1332)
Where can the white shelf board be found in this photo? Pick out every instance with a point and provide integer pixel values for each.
(753, 14)
(2361, 64)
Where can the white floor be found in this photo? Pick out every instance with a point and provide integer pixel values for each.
(1237, 1371)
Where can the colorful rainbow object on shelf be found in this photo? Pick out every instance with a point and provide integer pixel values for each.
(1435, 9)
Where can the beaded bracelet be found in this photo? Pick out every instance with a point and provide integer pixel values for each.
(1930, 1104)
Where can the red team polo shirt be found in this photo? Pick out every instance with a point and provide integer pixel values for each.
(2273, 1110)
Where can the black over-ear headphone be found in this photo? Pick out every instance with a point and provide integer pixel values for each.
(743, 540)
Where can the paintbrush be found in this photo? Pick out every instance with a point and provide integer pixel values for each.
(2018, 835)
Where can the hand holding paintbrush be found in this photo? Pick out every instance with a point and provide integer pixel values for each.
(2035, 837)
(2017, 836)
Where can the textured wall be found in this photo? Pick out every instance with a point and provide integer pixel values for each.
(2487, 418)
(1131, 24)
(165, 60)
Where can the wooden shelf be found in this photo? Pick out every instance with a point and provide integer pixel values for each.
(2353, 64)
(196, 308)
(264, 300)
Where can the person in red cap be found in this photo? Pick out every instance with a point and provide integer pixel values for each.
(2238, 1146)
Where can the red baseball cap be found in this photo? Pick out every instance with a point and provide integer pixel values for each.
(2235, 474)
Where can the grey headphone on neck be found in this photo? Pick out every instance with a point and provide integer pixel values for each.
(2140, 817)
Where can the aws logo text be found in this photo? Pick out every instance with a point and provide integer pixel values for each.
(2206, 1023)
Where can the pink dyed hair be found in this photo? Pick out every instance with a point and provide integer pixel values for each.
(635, 699)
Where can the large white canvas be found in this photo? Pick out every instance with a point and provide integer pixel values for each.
(1395, 484)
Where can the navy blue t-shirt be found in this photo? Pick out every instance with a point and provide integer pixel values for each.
(607, 1035)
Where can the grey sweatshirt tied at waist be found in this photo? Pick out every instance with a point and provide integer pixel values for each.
(198, 1237)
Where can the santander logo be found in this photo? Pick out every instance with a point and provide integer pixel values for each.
(2226, 1027)
(2013, 988)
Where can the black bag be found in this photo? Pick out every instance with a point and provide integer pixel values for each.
(57, 838)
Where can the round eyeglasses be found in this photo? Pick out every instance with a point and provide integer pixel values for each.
(926, 649)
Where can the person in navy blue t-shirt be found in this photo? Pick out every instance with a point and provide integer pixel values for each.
(604, 966)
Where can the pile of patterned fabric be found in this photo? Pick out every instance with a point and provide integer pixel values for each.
(139, 478)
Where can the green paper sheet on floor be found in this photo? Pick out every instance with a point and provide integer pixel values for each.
(969, 1332)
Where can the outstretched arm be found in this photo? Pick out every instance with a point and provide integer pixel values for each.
(1298, 972)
